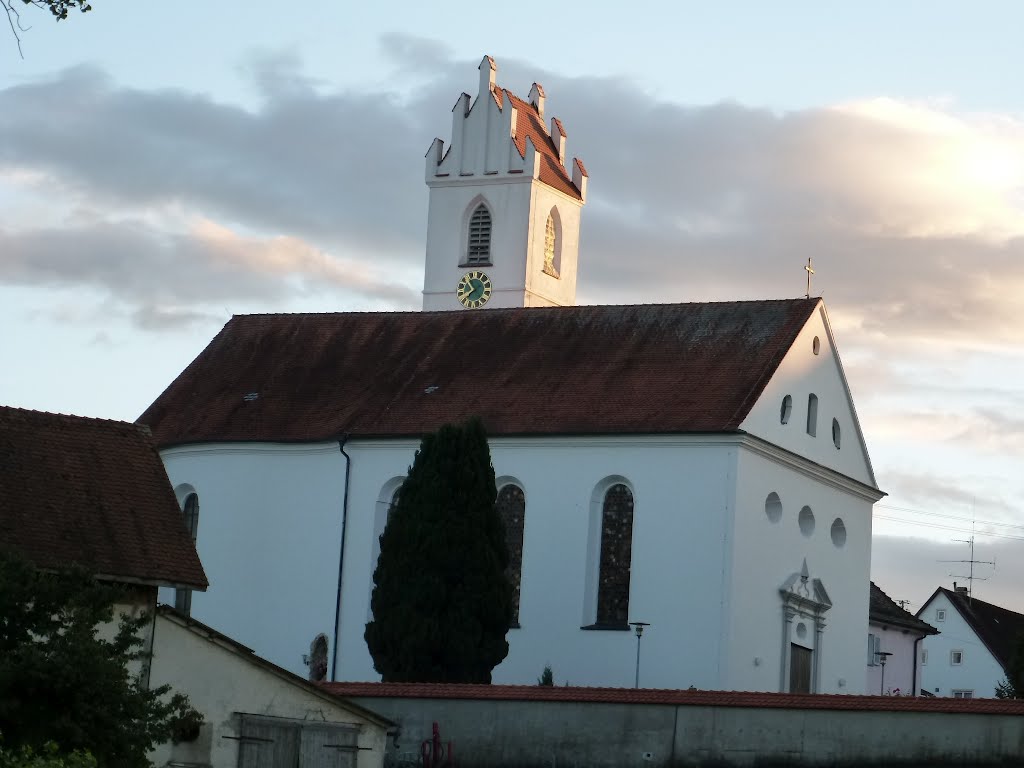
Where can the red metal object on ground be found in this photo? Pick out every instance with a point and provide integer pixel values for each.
(435, 755)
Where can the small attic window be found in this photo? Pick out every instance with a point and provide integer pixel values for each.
(816, 345)
(836, 433)
(812, 415)
(787, 409)
(250, 396)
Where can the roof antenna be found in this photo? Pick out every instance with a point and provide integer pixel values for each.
(971, 578)
(809, 269)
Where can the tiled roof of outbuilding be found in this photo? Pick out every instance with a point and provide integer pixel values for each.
(693, 698)
(882, 609)
(91, 492)
(650, 369)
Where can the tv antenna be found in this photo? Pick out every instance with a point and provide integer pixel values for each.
(971, 578)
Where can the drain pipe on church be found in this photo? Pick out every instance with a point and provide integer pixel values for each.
(341, 555)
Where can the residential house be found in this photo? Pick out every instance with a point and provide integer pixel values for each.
(970, 656)
(894, 639)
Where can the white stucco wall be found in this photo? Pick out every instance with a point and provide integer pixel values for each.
(979, 672)
(681, 497)
(269, 538)
(766, 552)
(801, 374)
(899, 667)
(222, 682)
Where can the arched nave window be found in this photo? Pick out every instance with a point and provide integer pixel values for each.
(511, 508)
(616, 556)
(478, 250)
(190, 514)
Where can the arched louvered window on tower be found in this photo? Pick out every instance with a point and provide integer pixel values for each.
(478, 250)
(551, 246)
(616, 557)
(511, 508)
(190, 514)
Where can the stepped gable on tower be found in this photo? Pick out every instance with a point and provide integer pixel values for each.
(516, 140)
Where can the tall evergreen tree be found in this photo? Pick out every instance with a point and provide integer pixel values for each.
(442, 604)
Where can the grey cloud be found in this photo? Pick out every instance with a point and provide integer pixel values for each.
(928, 491)
(687, 202)
(912, 568)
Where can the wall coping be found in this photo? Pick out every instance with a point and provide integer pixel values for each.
(686, 698)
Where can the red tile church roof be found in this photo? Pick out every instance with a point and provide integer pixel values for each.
(648, 369)
(94, 493)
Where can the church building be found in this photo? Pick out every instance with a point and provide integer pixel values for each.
(696, 467)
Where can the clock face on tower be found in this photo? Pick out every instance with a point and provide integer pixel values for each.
(474, 290)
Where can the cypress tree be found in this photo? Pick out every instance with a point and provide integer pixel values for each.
(441, 602)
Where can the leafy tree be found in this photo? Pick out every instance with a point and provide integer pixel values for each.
(49, 757)
(1013, 686)
(442, 604)
(547, 677)
(58, 8)
(64, 681)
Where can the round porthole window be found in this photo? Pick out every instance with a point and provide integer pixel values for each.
(806, 521)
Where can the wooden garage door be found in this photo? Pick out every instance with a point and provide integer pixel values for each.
(272, 743)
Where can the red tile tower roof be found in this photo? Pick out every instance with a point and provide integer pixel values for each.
(647, 369)
(94, 493)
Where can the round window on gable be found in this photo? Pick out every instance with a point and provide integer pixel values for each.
(836, 432)
(773, 507)
(806, 521)
(787, 409)
(816, 345)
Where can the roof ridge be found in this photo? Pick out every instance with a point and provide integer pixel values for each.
(130, 426)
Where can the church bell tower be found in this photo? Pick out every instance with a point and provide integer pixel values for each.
(504, 216)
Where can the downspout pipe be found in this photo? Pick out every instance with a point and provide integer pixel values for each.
(916, 689)
(341, 555)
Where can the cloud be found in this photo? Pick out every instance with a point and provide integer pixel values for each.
(912, 212)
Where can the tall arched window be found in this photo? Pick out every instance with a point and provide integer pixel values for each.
(616, 556)
(511, 508)
(551, 245)
(190, 513)
(478, 249)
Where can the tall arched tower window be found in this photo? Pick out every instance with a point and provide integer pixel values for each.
(190, 513)
(551, 245)
(511, 508)
(616, 556)
(478, 250)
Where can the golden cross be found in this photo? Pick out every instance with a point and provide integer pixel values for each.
(810, 271)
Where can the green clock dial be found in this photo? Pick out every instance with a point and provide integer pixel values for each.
(473, 290)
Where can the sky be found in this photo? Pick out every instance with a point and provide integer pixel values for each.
(165, 166)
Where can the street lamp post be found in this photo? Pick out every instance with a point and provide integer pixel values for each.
(638, 626)
(883, 655)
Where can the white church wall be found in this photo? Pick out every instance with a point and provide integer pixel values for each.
(451, 205)
(268, 537)
(770, 545)
(802, 373)
(543, 289)
(978, 671)
(681, 508)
